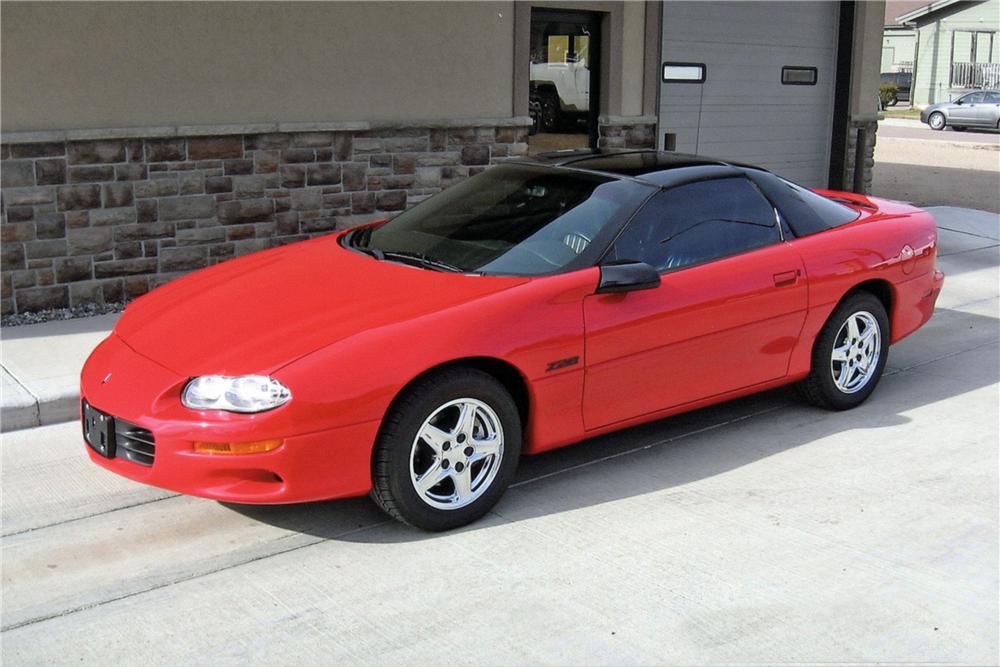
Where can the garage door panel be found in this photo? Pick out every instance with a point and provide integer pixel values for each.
(742, 111)
(749, 22)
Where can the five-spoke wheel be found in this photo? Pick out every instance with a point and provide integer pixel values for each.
(849, 354)
(456, 453)
(856, 354)
(447, 449)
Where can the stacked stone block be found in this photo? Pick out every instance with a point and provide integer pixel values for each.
(626, 135)
(100, 221)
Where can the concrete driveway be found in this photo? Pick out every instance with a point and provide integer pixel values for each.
(928, 168)
(759, 531)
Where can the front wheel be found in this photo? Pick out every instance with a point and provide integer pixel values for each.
(447, 450)
(849, 355)
(936, 121)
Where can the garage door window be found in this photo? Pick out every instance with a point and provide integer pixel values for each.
(798, 76)
(696, 223)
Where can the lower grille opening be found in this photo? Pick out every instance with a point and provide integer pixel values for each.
(134, 443)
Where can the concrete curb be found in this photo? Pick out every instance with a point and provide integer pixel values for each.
(21, 409)
(40, 366)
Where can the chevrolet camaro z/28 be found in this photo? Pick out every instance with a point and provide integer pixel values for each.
(534, 305)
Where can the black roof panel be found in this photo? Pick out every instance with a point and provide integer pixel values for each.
(660, 168)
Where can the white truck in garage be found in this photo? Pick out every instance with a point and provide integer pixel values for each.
(560, 94)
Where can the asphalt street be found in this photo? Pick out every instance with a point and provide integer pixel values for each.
(758, 531)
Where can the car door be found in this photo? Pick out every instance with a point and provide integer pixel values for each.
(992, 104)
(970, 112)
(728, 311)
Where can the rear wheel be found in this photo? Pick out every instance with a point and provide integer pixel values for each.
(936, 121)
(849, 355)
(447, 450)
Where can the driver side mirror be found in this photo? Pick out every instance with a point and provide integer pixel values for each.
(959, 102)
(627, 276)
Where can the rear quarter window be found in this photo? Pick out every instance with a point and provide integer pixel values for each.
(805, 211)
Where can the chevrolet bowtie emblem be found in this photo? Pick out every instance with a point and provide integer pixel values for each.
(106, 378)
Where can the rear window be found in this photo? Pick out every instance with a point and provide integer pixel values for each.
(805, 211)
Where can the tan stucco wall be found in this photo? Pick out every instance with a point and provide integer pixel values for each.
(633, 54)
(869, 18)
(100, 65)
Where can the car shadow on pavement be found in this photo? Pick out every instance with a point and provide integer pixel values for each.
(932, 185)
(685, 448)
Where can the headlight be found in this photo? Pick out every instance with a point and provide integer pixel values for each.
(243, 393)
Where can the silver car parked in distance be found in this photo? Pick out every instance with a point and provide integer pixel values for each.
(980, 108)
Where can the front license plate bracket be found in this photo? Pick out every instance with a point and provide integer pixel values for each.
(99, 431)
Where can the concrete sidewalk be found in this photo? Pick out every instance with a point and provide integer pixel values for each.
(41, 369)
(42, 362)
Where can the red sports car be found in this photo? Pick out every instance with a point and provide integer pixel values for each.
(534, 305)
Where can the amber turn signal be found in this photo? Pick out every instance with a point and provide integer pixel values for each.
(236, 447)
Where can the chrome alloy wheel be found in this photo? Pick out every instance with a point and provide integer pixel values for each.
(856, 352)
(456, 454)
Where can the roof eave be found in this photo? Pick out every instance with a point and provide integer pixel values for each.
(920, 12)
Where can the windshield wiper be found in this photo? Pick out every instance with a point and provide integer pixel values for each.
(418, 259)
(374, 252)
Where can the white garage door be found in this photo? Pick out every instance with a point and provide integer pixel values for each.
(743, 111)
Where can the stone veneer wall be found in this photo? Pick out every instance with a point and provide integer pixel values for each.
(106, 220)
(868, 151)
(619, 133)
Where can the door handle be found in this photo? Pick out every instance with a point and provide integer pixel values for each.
(786, 278)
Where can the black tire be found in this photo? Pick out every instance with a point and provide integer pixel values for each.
(392, 487)
(535, 113)
(937, 121)
(819, 388)
(549, 114)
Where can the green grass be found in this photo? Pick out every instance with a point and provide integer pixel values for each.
(892, 112)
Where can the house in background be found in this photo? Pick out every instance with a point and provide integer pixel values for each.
(899, 41)
(898, 48)
(956, 49)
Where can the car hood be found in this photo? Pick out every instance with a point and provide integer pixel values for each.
(260, 312)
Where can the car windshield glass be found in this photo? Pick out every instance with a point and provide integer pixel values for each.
(510, 220)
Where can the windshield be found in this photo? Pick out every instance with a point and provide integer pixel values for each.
(510, 220)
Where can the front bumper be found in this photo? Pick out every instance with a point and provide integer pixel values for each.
(312, 465)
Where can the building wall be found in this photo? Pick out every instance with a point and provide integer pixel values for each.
(897, 49)
(743, 111)
(91, 222)
(111, 65)
(934, 35)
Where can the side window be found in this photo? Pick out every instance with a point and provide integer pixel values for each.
(804, 211)
(974, 98)
(993, 98)
(696, 223)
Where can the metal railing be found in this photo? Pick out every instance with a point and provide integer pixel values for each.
(975, 75)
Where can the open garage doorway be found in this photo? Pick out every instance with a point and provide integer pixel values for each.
(564, 83)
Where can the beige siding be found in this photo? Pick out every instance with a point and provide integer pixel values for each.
(99, 65)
